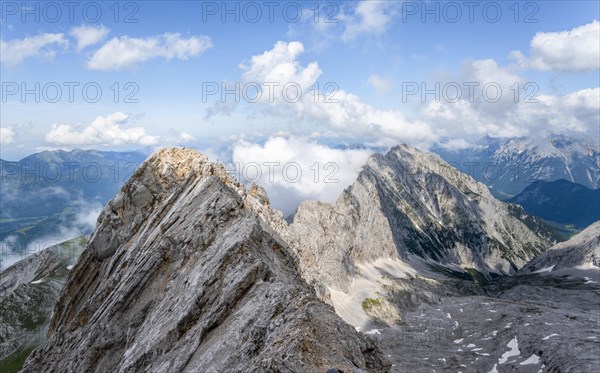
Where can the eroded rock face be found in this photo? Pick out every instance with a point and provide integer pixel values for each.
(28, 291)
(186, 272)
(409, 203)
(581, 252)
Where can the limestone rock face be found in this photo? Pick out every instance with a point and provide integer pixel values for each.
(28, 291)
(412, 204)
(582, 251)
(186, 272)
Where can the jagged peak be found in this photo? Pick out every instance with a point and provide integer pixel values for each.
(589, 234)
(171, 168)
(407, 160)
(178, 164)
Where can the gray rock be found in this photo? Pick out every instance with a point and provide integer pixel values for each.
(186, 272)
(580, 253)
(189, 271)
(408, 203)
(28, 291)
(527, 324)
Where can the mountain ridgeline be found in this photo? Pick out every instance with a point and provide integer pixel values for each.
(580, 254)
(183, 273)
(28, 291)
(408, 204)
(188, 270)
(509, 165)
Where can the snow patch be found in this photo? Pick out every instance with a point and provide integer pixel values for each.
(533, 359)
(547, 269)
(588, 280)
(514, 351)
(550, 336)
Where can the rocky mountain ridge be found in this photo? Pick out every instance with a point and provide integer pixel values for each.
(183, 273)
(394, 237)
(28, 291)
(188, 270)
(409, 203)
(580, 255)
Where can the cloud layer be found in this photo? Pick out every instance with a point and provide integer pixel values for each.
(369, 17)
(522, 112)
(116, 54)
(103, 131)
(575, 50)
(14, 52)
(88, 35)
(332, 106)
(125, 52)
(292, 170)
(7, 135)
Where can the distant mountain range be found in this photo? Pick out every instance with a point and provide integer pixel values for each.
(54, 192)
(561, 201)
(507, 166)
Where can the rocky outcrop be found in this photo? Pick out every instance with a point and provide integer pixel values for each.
(413, 204)
(410, 230)
(186, 272)
(581, 252)
(28, 291)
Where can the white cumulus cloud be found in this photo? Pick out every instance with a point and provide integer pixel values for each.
(577, 112)
(370, 17)
(103, 131)
(87, 35)
(14, 52)
(292, 170)
(124, 52)
(342, 111)
(575, 50)
(379, 84)
(7, 135)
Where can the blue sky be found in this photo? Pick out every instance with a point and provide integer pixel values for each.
(370, 54)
